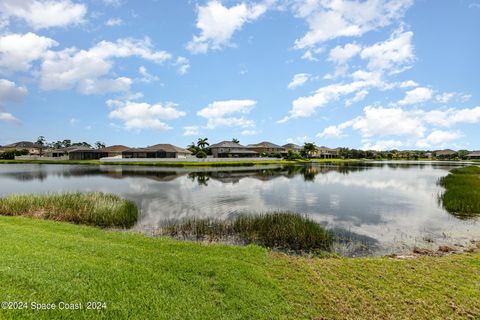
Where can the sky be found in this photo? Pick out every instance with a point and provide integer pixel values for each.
(370, 74)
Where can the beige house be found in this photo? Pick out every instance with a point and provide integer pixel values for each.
(229, 149)
(32, 148)
(325, 152)
(267, 147)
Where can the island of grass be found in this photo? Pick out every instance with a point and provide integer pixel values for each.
(93, 208)
(462, 191)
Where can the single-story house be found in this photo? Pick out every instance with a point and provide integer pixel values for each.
(445, 154)
(113, 151)
(83, 153)
(267, 147)
(229, 149)
(33, 148)
(473, 155)
(157, 151)
(292, 146)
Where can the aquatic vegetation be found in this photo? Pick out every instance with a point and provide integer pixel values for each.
(462, 194)
(95, 208)
(279, 230)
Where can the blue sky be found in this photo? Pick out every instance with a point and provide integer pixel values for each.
(372, 74)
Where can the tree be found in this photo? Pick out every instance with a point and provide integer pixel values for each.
(99, 144)
(201, 154)
(202, 143)
(67, 143)
(193, 148)
(235, 140)
(41, 142)
(308, 149)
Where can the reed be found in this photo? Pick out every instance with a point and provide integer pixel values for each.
(462, 191)
(278, 230)
(95, 208)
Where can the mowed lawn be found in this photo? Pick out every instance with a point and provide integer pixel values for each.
(146, 278)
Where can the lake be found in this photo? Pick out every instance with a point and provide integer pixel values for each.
(373, 208)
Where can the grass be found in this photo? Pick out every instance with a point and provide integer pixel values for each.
(462, 191)
(96, 208)
(157, 278)
(279, 230)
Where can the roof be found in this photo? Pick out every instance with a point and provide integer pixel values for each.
(115, 148)
(474, 154)
(445, 152)
(227, 144)
(23, 144)
(291, 146)
(264, 144)
(167, 147)
(242, 150)
(159, 147)
(323, 148)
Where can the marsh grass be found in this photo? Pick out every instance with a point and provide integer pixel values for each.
(95, 208)
(278, 230)
(462, 194)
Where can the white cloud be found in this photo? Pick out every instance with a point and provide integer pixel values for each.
(248, 132)
(114, 22)
(7, 117)
(298, 80)
(18, 51)
(146, 77)
(72, 68)
(451, 117)
(183, 65)
(218, 23)
(330, 132)
(439, 138)
(345, 18)
(394, 55)
(359, 96)
(10, 92)
(219, 113)
(417, 95)
(382, 145)
(101, 86)
(191, 131)
(408, 84)
(341, 55)
(40, 14)
(138, 116)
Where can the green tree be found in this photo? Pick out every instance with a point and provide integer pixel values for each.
(41, 142)
(202, 143)
(67, 143)
(235, 140)
(99, 144)
(308, 149)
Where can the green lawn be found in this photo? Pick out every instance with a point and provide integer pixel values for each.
(145, 278)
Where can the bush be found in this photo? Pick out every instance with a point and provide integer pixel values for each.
(201, 154)
(10, 154)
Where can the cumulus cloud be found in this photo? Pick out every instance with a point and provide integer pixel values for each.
(7, 117)
(73, 68)
(226, 113)
(417, 95)
(218, 23)
(142, 115)
(382, 145)
(191, 130)
(330, 132)
(146, 77)
(328, 20)
(114, 22)
(41, 14)
(298, 80)
(11, 92)
(341, 55)
(183, 65)
(439, 138)
(248, 132)
(18, 51)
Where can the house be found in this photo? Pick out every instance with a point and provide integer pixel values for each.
(32, 148)
(292, 146)
(325, 152)
(473, 155)
(156, 151)
(113, 151)
(229, 149)
(266, 147)
(445, 154)
(84, 153)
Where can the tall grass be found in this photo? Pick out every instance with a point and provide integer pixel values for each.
(95, 208)
(279, 230)
(462, 194)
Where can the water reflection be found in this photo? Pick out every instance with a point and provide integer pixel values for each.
(387, 206)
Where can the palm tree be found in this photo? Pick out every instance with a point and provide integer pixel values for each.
(235, 140)
(202, 142)
(41, 142)
(99, 144)
(309, 148)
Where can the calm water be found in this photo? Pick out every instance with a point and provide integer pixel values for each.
(384, 207)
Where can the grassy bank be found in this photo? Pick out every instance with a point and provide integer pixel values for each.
(462, 191)
(279, 230)
(96, 208)
(150, 278)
